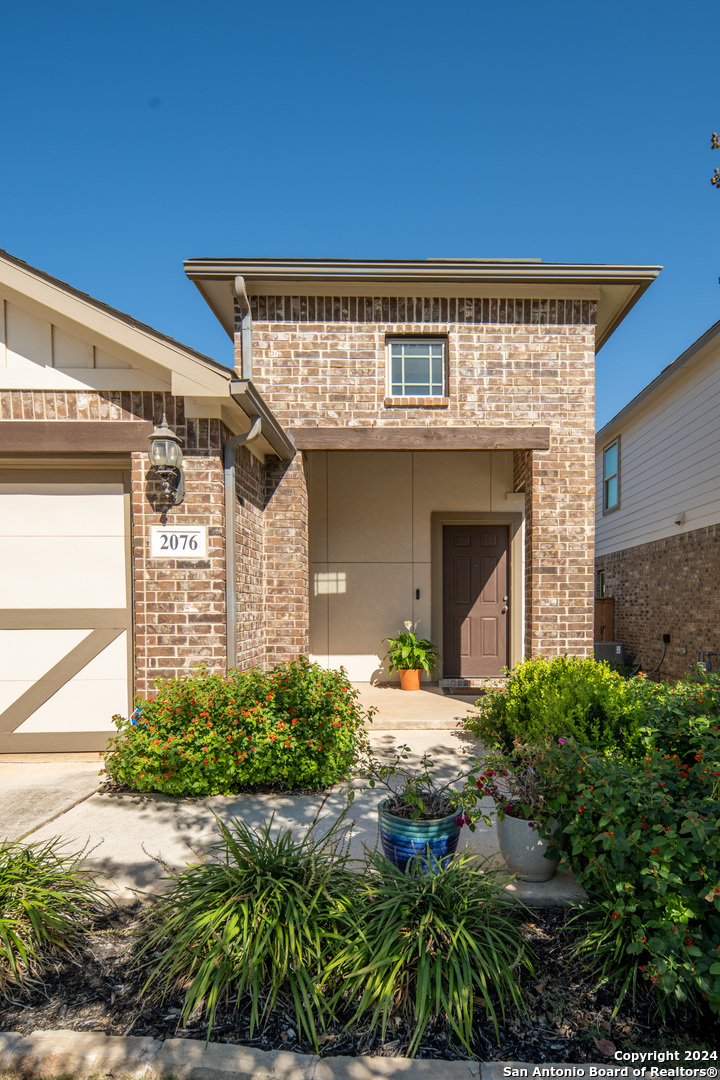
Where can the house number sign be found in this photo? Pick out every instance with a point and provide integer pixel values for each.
(178, 542)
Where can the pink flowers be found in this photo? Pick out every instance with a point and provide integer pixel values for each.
(463, 819)
(562, 741)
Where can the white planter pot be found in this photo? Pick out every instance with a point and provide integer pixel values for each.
(523, 849)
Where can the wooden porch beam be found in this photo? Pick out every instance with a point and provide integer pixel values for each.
(73, 436)
(425, 438)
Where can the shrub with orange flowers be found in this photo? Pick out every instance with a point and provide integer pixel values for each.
(296, 727)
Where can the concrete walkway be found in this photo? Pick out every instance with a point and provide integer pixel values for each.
(427, 708)
(136, 840)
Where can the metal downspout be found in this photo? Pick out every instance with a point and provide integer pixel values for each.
(230, 562)
(246, 366)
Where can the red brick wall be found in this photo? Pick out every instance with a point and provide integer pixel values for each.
(249, 550)
(320, 361)
(286, 570)
(667, 587)
(180, 604)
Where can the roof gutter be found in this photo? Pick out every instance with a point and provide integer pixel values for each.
(230, 537)
(433, 270)
(244, 393)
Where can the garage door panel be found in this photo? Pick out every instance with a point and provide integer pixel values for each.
(75, 512)
(107, 664)
(63, 611)
(41, 572)
(11, 690)
(49, 647)
(28, 654)
(91, 705)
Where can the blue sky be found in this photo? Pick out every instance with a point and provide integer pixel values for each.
(136, 135)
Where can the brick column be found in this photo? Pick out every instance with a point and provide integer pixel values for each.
(559, 524)
(249, 546)
(287, 575)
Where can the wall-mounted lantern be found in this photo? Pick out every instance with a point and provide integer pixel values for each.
(166, 456)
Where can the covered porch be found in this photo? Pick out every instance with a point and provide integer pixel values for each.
(435, 537)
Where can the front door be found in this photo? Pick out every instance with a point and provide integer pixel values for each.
(475, 600)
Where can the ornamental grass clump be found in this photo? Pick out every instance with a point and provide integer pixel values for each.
(47, 900)
(259, 916)
(295, 727)
(432, 944)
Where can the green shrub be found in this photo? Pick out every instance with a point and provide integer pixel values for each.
(642, 834)
(46, 899)
(298, 726)
(564, 696)
(432, 943)
(258, 917)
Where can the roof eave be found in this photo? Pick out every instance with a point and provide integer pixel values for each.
(618, 287)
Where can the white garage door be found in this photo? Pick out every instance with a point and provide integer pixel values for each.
(63, 610)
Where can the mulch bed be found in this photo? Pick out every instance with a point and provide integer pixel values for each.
(98, 990)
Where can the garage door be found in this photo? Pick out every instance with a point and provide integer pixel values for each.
(63, 610)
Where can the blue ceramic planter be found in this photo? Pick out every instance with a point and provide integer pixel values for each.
(403, 840)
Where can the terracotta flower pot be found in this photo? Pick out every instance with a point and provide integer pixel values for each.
(523, 849)
(410, 678)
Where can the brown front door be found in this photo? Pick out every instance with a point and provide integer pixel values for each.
(475, 600)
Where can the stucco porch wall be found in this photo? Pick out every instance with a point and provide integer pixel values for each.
(376, 539)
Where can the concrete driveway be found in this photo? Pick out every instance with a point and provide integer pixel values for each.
(34, 793)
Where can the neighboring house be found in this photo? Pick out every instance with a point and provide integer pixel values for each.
(657, 545)
(400, 440)
(443, 413)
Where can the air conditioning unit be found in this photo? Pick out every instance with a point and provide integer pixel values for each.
(611, 651)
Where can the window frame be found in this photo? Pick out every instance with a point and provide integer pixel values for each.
(607, 509)
(416, 339)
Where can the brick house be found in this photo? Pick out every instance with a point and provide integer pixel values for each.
(658, 514)
(399, 440)
(443, 413)
(90, 613)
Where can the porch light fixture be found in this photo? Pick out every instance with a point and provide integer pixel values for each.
(166, 456)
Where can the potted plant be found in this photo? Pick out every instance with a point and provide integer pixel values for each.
(410, 656)
(420, 817)
(519, 784)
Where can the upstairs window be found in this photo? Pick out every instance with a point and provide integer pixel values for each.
(611, 476)
(417, 367)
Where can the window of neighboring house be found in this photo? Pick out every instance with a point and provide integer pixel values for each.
(417, 367)
(601, 583)
(611, 476)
